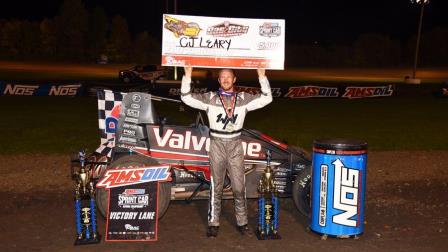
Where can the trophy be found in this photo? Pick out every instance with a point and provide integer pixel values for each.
(86, 228)
(267, 204)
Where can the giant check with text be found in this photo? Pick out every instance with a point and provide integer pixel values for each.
(217, 42)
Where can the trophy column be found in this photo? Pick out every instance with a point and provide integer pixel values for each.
(268, 205)
(86, 229)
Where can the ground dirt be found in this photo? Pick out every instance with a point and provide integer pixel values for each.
(406, 210)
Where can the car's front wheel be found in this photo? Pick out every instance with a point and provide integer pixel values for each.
(301, 191)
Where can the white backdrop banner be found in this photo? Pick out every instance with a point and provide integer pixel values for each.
(216, 42)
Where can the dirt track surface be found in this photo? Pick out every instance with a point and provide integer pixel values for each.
(406, 210)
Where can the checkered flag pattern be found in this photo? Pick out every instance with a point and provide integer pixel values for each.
(108, 101)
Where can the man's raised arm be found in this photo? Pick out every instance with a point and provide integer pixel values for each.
(197, 101)
(265, 97)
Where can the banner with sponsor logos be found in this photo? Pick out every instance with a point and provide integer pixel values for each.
(133, 195)
(292, 91)
(69, 89)
(223, 42)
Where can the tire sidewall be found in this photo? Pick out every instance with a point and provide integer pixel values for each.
(301, 191)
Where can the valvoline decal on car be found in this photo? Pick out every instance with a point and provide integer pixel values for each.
(112, 120)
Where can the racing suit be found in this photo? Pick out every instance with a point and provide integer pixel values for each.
(226, 150)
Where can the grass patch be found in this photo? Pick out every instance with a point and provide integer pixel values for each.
(64, 125)
(385, 123)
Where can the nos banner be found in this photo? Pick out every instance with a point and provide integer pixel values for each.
(223, 42)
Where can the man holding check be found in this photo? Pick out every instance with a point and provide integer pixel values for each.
(226, 110)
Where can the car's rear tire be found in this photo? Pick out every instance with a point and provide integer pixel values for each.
(301, 191)
(102, 196)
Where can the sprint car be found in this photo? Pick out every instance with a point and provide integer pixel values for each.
(185, 149)
(142, 73)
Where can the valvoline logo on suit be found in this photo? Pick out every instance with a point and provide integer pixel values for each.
(338, 193)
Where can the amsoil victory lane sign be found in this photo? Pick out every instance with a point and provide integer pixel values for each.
(223, 42)
(133, 193)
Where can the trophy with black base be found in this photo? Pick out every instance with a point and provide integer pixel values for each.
(86, 228)
(267, 204)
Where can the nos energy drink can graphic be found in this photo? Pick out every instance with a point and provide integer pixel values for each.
(338, 187)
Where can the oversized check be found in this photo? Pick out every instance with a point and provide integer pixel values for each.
(217, 42)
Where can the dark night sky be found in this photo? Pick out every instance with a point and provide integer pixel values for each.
(306, 20)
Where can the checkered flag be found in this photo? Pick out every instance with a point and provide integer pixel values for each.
(109, 106)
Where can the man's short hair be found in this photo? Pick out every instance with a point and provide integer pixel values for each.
(227, 69)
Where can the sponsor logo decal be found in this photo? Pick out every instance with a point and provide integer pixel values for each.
(323, 195)
(363, 92)
(131, 120)
(183, 174)
(129, 132)
(312, 91)
(270, 30)
(130, 126)
(136, 198)
(180, 141)
(176, 91)
(112, 120)
(128, 139)
(181, 28)
(126, 146)
(187, 141)
(345, 194)
(267, 45)
(131, 176)
(227, 29)
(133, 113)
(133, 191)
(171, 60)
(226, 120)
(20, 89)
(136, 98)
(276, 92)
(276, 182)
(135, 106)
(131, 228)
(64, 90)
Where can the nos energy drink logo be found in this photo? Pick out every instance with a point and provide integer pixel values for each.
(345, 194)
(112, 120)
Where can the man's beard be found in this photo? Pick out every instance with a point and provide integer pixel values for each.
(227, 87)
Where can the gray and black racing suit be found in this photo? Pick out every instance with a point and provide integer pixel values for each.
(226, 150)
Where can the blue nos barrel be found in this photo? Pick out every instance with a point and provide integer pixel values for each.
(338, 187)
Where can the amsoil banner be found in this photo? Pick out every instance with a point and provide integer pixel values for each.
(296, 92)
(223, 42)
